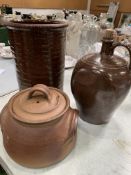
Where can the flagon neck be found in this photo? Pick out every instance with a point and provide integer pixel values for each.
(107, 48)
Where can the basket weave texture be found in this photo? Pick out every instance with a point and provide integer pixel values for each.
(39, 51)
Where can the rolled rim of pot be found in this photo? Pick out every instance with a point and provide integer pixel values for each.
(36, 23)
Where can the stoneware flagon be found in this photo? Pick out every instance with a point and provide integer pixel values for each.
(39, 50)
(38, 126)
(101, 81)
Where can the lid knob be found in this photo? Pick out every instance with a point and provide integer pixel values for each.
(40, 90)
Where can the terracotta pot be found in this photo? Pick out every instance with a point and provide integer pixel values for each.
(39, 49)
(38, 126)
(100, 82)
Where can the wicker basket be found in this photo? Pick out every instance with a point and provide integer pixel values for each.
(39, 49)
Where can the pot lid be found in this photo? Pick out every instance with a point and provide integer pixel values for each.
(39, 104)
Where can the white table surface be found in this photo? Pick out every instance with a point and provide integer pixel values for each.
(100, 149)
(8, 82)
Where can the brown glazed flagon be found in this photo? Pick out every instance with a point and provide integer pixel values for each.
(38, 126)
(39, 49)
(100, 82)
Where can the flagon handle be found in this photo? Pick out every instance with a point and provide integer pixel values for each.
(127, 47)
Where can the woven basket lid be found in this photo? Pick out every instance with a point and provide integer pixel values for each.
(38, 104)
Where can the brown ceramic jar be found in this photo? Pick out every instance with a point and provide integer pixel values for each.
(38, 126)
(100, 82)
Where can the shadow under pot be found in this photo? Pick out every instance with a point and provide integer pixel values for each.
(38, 126)
(100, 82)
